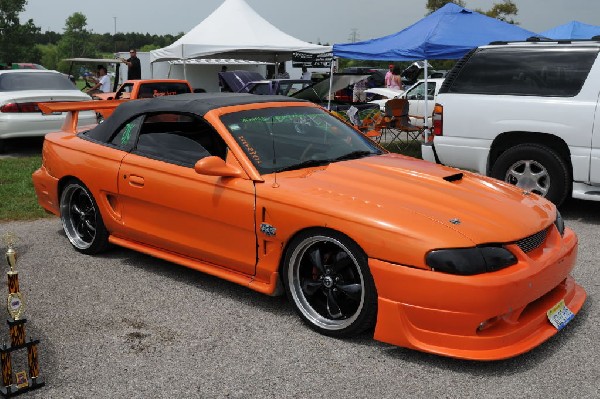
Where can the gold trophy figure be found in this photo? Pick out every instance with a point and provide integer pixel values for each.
(16, 323)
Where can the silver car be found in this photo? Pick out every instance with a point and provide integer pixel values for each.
(20, 92)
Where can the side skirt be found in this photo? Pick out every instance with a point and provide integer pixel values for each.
(265, 287)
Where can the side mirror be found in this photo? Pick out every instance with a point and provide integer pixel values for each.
(215, 166)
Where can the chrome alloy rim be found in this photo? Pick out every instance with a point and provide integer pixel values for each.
(78, 216)
(326, 282)
(529, 175)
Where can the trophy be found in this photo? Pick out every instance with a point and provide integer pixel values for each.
(21, 382)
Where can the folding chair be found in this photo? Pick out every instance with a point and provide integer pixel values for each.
(403, 133)
(373, 125)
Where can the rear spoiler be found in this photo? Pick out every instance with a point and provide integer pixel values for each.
(73, 108)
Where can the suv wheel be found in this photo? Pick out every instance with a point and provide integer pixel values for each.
(535, 168)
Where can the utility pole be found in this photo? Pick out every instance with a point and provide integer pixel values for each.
(115, 35)
(353, 35)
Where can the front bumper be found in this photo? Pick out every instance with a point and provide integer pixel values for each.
(441, 313)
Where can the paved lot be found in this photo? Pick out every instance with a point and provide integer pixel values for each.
(127, 325)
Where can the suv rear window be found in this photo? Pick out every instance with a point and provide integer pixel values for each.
(557, 72)
(16, 81)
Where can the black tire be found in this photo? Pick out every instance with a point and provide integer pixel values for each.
(535, 168)
(327, 278)
(81, 219)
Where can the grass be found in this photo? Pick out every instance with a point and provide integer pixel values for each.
(412, 149)
(19, 202)
(17, 197)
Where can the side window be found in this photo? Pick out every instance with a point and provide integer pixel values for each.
(416, 93)
(179, 139)
(124, 138)
(430, 90)
(526, 71)
(124, 91)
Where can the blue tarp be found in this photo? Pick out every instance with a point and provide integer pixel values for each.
(572, 30)
(448, 33)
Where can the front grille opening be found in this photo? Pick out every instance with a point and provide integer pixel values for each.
(534, 241)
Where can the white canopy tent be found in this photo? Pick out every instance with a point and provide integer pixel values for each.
(235, 30)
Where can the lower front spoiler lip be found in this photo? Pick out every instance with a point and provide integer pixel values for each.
(395, 328)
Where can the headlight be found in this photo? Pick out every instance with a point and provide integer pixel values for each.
(466, 261)
(559, 223)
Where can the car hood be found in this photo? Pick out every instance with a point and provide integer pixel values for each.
(385, 91)
(320, 90)
(384, 189)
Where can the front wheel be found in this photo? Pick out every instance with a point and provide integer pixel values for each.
(81, 219)
(328, 280)
(535, 168)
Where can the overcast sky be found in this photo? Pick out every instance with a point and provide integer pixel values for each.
(328, 21)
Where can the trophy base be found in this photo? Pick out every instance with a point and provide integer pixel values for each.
(13, 390)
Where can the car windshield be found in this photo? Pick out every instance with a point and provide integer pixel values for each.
(286, 138)
(34, 81)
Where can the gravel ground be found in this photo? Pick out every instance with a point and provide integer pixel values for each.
(127, 325)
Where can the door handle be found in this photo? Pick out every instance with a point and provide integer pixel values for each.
(137, 181)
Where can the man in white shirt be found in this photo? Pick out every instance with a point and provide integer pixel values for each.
(103, 83)
(306, 75)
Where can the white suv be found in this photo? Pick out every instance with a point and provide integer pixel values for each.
(526, 113)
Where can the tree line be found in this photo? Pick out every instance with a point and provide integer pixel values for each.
(25, 42)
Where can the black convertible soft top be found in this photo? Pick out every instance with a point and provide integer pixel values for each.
(195, 103)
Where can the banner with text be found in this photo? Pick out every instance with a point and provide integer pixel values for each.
(322, 60)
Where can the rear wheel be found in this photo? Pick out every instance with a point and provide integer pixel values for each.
(328, 280)
(81, 219)
(535, 168)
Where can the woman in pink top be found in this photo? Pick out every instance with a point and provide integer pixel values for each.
(396, 80)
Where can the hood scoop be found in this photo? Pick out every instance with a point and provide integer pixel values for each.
(454, 177)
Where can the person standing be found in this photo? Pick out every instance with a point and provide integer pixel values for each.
(134, 68)
(389, 76)
(306, 75)
(396, 79)
(358, 91)
(282, 74)
(222, 85)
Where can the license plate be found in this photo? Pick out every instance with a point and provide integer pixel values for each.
(559, 315)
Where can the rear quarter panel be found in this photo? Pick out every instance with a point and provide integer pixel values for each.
(67, 156)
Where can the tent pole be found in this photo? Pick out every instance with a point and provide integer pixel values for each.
(184, 65)
(426, 120)
(330, 84)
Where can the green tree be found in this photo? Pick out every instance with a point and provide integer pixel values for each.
(17, 41)
(49, 55)
(502, 11)
(75, 42)
(433, 5)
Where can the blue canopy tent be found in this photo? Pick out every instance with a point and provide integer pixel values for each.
(448, 33)
(572, 30)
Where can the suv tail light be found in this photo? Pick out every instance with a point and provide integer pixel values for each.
(438, 122)
(19, 107)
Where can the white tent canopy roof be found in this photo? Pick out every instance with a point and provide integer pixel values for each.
(235, 30)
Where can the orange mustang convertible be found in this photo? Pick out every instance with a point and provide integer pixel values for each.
(280, 195)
